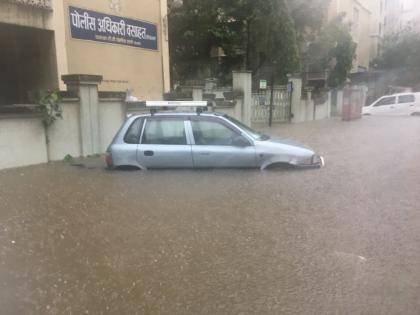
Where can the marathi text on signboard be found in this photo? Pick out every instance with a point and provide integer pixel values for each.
(90, 25)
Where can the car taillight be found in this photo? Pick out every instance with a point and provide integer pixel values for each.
(108, 159)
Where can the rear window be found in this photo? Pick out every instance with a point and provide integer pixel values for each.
(409, 98)
(133, 133)
(164, 132)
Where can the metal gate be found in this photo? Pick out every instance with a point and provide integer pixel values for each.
(281, 105)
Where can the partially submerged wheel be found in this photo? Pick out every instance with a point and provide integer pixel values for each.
(126, 168)
(279, 166)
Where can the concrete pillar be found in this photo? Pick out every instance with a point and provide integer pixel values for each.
(238, 110)
(323, 111)
(297, 111)
(242, 81)
(86, 87)
(210, 84)
(329, 101)
(164, 30)
(339, 108)
(197, 93)
(60, 15)
(310, 106)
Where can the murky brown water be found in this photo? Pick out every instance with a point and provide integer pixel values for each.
(341, 240)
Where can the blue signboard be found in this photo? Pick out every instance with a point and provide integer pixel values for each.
(91, 25)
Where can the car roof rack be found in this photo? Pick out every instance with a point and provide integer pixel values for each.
(155, 106)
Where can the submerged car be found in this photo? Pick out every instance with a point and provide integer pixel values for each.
(201, 140)
(395, 105)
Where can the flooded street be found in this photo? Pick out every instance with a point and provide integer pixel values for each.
(344, 239)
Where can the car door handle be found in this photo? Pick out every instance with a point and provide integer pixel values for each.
(149, 153)
(204, 153)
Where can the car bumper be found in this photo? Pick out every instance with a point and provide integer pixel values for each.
(317, 161)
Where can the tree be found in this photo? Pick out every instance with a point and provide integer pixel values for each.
(400, 56)
(333, 49)
(253, 34)
(308, 17)
(194, 28)
(272, 41)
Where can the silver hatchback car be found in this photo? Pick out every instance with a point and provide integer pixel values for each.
(201, 140)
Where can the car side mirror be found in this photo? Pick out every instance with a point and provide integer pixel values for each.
(240, 141)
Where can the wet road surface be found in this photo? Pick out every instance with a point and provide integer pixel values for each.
(341, 240)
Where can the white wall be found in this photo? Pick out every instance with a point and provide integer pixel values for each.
(310, 107)
(22, 142)
(305, 109)
(64, 134)
(111, 117)
(231, 111)
(337, 110)
(323, 111)
(300, 111)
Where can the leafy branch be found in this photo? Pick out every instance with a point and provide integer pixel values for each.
(49, 104)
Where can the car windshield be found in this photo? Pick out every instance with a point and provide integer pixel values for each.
(253, 133)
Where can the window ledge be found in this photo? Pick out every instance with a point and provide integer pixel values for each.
(19, 111)
(40, 4)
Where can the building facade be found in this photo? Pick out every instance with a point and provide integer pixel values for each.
(401, 14)
(364, 17)
(124, 41)
(392, 16)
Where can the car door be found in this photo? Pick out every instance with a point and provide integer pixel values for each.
(384, 106)
(219, 145)
(406, 104)
(164, 144)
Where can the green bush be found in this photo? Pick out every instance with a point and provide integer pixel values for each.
(49, 103)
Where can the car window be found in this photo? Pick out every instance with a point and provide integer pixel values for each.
(409, 98)
(168, 132)
(132, 135)
(212, 133)
(386, 101)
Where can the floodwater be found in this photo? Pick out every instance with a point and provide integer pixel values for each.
(340, 240)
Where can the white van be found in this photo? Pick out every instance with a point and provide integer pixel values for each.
(396, 104)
